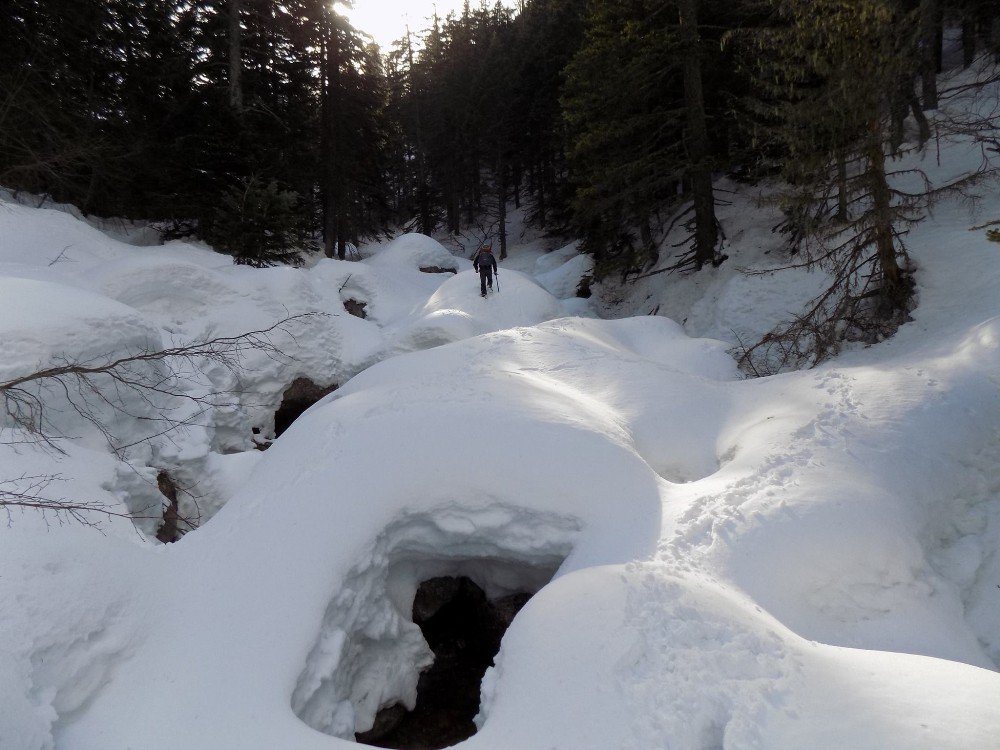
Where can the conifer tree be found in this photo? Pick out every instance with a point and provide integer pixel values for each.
(636, 107)
(826, 73)
(353, 135)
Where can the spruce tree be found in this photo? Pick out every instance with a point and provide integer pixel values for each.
(826, 74)
(635, 104)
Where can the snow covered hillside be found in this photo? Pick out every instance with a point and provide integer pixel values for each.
(809, 560)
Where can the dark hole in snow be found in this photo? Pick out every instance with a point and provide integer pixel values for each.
(583, 288)
(437, 269)
(298, 397)
(169, 530)
(463, 628)
(356, 308)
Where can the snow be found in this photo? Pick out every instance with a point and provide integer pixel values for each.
(456, 310)
(563, 281)
(805, 560)
(415, 251)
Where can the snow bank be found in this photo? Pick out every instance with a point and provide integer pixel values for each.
(73, 294)
(456, 310)
(538, 449)
(552, 260)
(564, 281)
(415, 251)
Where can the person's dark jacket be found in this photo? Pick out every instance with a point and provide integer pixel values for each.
(485, 259)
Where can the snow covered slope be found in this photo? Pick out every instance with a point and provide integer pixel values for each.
(803, 561)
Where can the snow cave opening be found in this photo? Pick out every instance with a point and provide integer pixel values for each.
(463, 628)
(405, 644)
(298, 397)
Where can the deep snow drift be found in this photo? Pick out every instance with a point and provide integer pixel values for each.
(808, 560)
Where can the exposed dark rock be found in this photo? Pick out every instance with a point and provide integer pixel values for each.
(385, 722)
(437, 269)
(260, 443)
(356, 308)
(583, 289)
(433, 594)
(463, 629)
(506, 609)
(169, 530)
(298, 397)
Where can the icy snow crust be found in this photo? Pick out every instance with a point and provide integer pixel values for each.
(802, 561)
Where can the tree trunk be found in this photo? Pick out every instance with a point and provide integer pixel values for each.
(454, 210)
(476, 174)
(423, 196)
(939, 38)
(842, 188)
(648, 246)
(924, 127)
(517, 182)
(699, 171)
(930, 13)
(540, 175)
(331, 84)
(502, 204)
(235, 56)
(968, 42)
(892, 286)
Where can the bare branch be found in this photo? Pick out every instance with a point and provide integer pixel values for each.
(97, 387)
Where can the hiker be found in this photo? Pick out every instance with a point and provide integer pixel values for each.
(486, 264)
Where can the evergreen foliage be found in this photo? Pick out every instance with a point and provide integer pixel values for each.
(825, 71)
(829, 78)
(264, 127)
(260, 225)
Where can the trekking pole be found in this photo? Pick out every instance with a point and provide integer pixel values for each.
(498, 281)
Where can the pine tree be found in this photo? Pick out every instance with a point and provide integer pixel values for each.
(260, 225)
(826, 75)
(547, 35)
(635, 103)
(353, 135)
(57, 90)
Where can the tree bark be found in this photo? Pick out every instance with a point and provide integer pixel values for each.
(892, 287)
(542, 208)
(330, 144)
(699, 170)
(517, 183)
(842, 188)
(923, 126)
(968, 42)
(502, 204)
(930, 20)
(423, 196)
(648, 246)
(235, 56)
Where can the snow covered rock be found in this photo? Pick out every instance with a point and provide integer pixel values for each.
(456, 310)
(414, 251)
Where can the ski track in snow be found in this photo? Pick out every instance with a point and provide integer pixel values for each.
(806, 560)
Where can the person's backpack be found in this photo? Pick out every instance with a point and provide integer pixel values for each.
(484, 259)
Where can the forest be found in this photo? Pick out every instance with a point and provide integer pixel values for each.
(272, 130)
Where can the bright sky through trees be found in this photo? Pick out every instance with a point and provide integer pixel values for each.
(386, 20)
